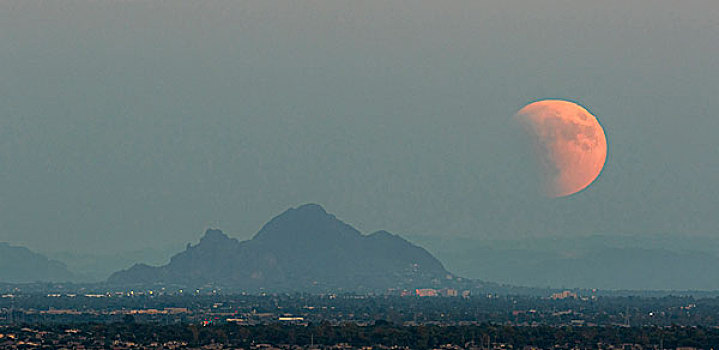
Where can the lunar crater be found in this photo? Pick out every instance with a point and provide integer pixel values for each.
(569, 142)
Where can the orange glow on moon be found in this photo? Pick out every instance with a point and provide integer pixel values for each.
(570, 144)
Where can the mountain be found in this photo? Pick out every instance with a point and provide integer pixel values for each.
(90, 267)
(608, 262)
(21, 265)
(302, 249)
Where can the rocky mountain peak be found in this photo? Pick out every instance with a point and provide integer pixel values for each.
(306, 223)
(214, 235)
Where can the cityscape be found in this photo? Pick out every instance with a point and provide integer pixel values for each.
(211, 320)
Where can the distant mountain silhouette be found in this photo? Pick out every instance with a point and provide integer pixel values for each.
(606, 262)
(21, 265)
(302, 249)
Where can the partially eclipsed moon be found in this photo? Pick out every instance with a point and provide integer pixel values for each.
(569, 142)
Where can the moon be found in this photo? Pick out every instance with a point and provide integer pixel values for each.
(569, 144)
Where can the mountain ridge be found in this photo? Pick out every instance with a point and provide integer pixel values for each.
(301, 249)
(26, 266)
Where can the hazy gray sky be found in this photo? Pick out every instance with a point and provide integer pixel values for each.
(130, 124)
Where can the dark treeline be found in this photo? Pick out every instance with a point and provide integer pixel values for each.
(382, 332)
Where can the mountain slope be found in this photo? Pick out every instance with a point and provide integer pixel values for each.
(302, 249)
(21, 265)
(600, 261)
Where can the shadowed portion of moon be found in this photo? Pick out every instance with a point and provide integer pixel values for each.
(569, 143)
